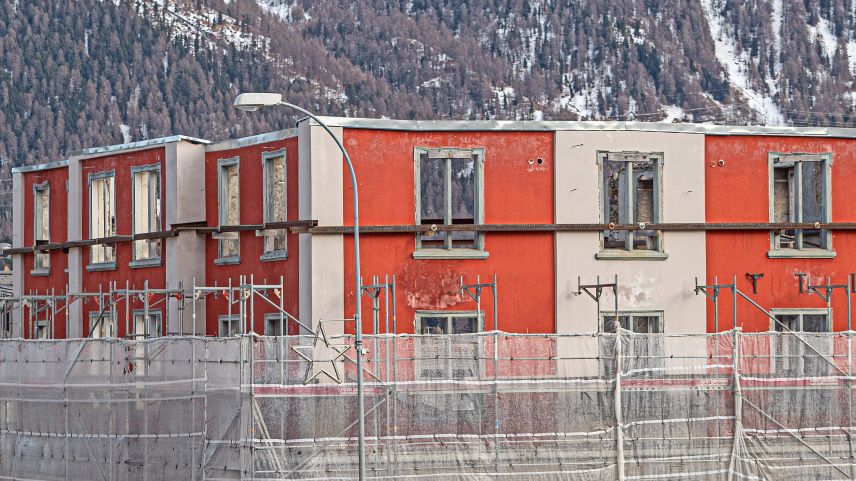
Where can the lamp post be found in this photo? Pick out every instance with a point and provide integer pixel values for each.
(253, 101)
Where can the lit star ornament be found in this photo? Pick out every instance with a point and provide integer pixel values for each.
(339, 351)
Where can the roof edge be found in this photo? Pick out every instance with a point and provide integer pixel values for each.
(251, 140)
(111, 149)
(45, 166)
(582, 125)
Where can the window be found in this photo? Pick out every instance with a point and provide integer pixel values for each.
(100, 325)
(449, 191)
(41, 331)
(800, 193)
(637, 322)
(147, 212)
(229, 204)
(800, 321)
(798, 351)
(274, 325)
(41, 226)
(631, 193)
(229, 326)
(275, 204)
(647, 351)
(102, 216)
(152, 328)
(447, 357)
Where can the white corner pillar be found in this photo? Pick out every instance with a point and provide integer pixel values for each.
(321, 263)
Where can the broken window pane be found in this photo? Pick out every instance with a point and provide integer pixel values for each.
(143, 329)
(812, 202)
(275, 203)
(41, 227)
(614, 188)
(644, 208)
(463, 208)
(787, 322)
(814, 323)
(102, 217)
(799, 195)
(147, 213)
(229, 207)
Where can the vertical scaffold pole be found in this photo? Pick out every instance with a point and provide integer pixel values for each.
(619, 422)
(193, 299)
(738, 401)
(496, 397)
(128, 309)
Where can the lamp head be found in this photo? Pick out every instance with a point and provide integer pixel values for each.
(251, 102)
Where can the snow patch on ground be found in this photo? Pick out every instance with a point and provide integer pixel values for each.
(776, 25)
(823, 32)
(673, 112)
(735, 64)
(126, 133)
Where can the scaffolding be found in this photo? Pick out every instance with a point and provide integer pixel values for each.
(731, 405)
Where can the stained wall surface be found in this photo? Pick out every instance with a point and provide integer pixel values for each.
(664, 285)
(738, 191)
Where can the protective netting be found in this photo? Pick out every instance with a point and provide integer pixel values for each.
(437, 408)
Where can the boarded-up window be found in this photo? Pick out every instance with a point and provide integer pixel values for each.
(102, 216)
(275, 202)
(631, 192)
(229, 202)
(448, 192)
(447, 357)
(41, 224)
(800, 195)
(144, 329)
(101, 325)
(147, 211)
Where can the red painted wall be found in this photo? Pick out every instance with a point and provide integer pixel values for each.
(252, 247)
(738, 191)
(91, 281)
(58, 279)
(515, 191)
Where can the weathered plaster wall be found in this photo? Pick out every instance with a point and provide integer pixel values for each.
(515, 191)
(665, 285)
(738, 191)
(252, 247)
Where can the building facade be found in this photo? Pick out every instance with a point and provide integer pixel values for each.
(524, 227)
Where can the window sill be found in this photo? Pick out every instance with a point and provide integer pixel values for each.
(40, 272)
(103, 266)
(637, 255)
(227, 261)
(274, 256)
(801, 254)
(450, 254)
(140, 263)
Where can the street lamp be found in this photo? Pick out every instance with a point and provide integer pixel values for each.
(251, 102)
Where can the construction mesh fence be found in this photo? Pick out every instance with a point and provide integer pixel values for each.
(723, 406)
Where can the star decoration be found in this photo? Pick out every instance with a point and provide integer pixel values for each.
(338, 349)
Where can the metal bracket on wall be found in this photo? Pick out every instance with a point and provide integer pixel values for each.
(755, 276)
(595, 291)
(825, 291)
(474, 292)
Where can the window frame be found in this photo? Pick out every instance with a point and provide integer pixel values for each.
(41, 189)
(826, 161)
(629, 252)
(148, 261)
(107, 264)
(276, 318)
(267, 158)
(801, 312)
(105, 318)
(450, 252)
(233, 320)
(659, 314)
(446, 340)
(221, 236)
(146, 335)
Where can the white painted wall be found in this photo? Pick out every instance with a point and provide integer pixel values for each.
(320, 177)
(665, 285)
